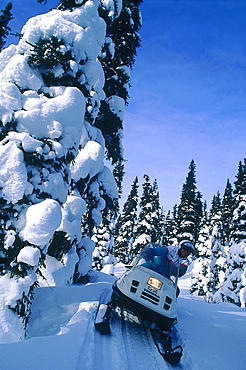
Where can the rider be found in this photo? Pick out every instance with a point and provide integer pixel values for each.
(158, 256)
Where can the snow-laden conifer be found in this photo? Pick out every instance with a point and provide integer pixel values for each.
(201, 270)
(190, 207)
(233, 289)
(170, 227)
(125, 226)
(51, 153)
(157, 215)
(227, 212)
(217, 259)
(150, 219)
(5, 18)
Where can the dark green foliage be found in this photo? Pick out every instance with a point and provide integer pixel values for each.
(239, 222)
(156, 214)
(148, 216)
(5, 17)
(234, 286)
(227, 211)
(48, 53)
(8, 256)
(69, 4)
(59, 245)
(119, 173)
(240, 183)
(190, 207)
(103, 237)
(110, 124)
(123, 31)
(216, 246)
(170, 227)
(117, 82)
(125, 226)
(216, 207)
(23, 305)
(4, 129)
(64, 4)
(88, 222)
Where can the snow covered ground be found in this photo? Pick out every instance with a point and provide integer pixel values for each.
(62, 336)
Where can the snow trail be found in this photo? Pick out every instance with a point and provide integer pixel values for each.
(129, 346)
(62, 335)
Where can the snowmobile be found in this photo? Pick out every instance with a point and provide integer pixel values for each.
(149, 291)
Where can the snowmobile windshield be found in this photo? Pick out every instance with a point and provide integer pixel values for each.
(153, 259)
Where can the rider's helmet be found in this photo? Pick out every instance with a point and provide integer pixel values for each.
(187, 245)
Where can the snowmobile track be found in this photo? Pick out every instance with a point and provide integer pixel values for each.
(129, 346)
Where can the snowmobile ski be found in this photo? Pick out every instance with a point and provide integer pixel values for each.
(163, 341)
(102, 319)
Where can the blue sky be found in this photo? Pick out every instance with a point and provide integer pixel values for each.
(188, 98)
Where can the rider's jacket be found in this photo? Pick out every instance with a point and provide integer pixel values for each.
(170, 253)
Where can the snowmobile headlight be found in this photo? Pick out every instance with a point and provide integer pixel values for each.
(155, 283)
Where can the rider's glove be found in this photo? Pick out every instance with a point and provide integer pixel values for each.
(149, 254)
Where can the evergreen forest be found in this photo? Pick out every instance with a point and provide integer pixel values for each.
(64, 90)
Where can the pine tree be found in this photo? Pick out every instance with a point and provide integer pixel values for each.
(162, 225)
(233, 289)
(125, 226)
(5, 18)
(156, 216)
(227, 212)
(201, 270)
(190, 207)
(144, 228)
(217, 259)
(122, 32)
(103, 236)
(170, 227)
(119, 173)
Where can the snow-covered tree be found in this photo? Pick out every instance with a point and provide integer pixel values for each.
(150, 221)
(119, 173)
(157, 215)
(233, 289)
(104, 239)
(190, 207)
(5, 18)
(142, 234)
(209, 268)
(117, 58)
(168, 231)
(52, 151)
(201, 270)
(227, 212)
(217, 259)
(125, 226)
(104, 234)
